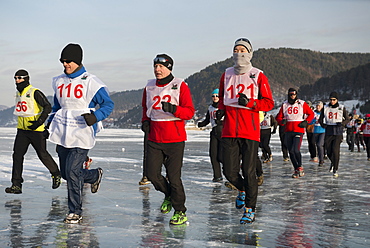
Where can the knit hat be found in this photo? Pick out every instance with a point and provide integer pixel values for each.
(244, 42)
(367, 115)
(23, 72)
(165, 60)
(319, 103)
(334, 95)
(215, 92)
(72, 52)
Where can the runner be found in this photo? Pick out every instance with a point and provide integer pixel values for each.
(244, 90)
(295, 114)
(215, 146)
(333, 118)
(32, 109)
(167, 103)
(74, 124)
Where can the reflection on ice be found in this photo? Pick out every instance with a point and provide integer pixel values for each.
(314, 211)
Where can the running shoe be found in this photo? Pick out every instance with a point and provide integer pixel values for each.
(87, 163)
(166, 205)
(95, 186)
(178, 218)
(57, 180)
(230, 185)
(295, 174)
(248, 216)
(300, 171)
(144, 181)
(14, 190)
(240, 200)
(260, 180)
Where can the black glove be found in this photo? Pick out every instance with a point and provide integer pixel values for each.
(168, 107)
(35, 124)
(243, 99)
(47, 125)
(90, 118)
(219, 114)
(283, 122)
(273, 132)
(145, 126)
(323, 125)
(303, 124)
(339, 124)
(46, 133)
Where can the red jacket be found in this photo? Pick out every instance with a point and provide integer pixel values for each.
(245, 123)
(171, 131)
(292, 126)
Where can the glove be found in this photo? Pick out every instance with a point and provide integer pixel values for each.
(145, 126)
(283, 122)
(46, 133)
(303, 124)
(243, 99)
(35, 124)
(323, 125)
(273, 132)
(168, 107)
(90, 118)
(201, 124)
(219, 114)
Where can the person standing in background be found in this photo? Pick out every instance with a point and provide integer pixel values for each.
(32, 109)
(244, 91)
(74, 125)
(351, 130)
(167, 103)
(215, 146)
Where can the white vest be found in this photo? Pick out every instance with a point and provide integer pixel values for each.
(69, 128)
(155, 95)
(25, 104)
(244, 83)
(293, 112)
(266, 123)
(212, 115)
(317, 117)
(367, 128)
(333, 115)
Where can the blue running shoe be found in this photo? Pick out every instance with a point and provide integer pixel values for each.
(240, 200)
(248, 216)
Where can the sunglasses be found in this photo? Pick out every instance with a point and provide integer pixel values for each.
(214, 95)
(332, 99)
(243, 39)
(20, 77)
(160, 60)
(292, 94)
(65, 60)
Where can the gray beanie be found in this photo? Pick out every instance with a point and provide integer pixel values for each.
(244, 42)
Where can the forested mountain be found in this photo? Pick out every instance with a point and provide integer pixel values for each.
(284, 67)
(314, 74)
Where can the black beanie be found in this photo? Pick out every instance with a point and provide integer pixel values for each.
(334, 95)
(165, 60)
(23, 72)
(72, 52)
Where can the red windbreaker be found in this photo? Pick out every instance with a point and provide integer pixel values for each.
(245, 123)
(292, 126)
(171, 131)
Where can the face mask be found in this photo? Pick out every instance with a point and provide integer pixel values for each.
(242, 62)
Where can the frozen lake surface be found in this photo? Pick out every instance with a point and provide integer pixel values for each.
(316, 210)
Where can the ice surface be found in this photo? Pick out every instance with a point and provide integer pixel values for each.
(314, 211)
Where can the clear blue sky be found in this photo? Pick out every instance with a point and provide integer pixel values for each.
(121, 38)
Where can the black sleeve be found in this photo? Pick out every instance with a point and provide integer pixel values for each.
(205, 122)
(41, 100)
